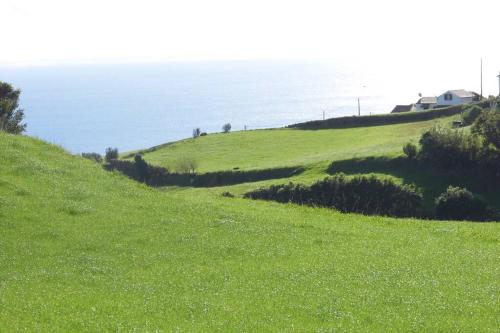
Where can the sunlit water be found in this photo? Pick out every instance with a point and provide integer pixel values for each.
(90, 107)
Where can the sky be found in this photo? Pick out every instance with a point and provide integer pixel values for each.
(415, 36)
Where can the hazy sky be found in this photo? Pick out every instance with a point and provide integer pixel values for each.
(410, 34)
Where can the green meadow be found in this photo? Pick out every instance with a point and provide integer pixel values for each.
(261, 149)
(83, 249)
(361, 150)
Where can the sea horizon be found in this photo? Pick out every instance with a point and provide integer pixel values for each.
(88, 107)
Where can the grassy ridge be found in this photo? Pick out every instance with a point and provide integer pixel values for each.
(287, 147)
(353, 151)
(83, 249)
(383, 119)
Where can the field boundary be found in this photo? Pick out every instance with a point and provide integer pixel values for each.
(383, 119)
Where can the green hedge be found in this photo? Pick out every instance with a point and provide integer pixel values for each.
(382, 119)
(361, 194)
(157, 176)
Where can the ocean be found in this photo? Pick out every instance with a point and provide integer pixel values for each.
(87, 108)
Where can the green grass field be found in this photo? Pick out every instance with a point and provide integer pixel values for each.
(353, 151)
(83, 249)
(288, 147)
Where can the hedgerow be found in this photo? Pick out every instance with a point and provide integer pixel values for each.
(361, 194)
(157, 176)
(382, 119)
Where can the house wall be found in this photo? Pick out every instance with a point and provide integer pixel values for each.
(456, 100)
(423, 107)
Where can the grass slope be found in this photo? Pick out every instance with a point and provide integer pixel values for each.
(87, 250)
(375, 149)
(288, 147)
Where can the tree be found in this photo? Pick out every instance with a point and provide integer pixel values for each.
(11, 116)
(488, 126)
(410, 150)
(196, 132)
(226, 128)
(142, 168)
(459, 204)
(111, 154)
(186, 164)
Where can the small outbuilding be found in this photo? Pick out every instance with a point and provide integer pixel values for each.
(426, 103)
(403, 108)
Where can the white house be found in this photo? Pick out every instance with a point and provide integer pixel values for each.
(449, 98)
(456, 97)
(426, 103)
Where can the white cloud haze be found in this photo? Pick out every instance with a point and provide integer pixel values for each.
(411, 35)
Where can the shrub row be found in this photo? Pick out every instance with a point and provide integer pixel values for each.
(475, 155)
(382, 119)
(471, 114)
(459, 204)
(157, 176)
(93, 157)
(449, 149)
(361, 194)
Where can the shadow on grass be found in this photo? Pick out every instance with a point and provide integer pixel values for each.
(431, 181)
(158, 176)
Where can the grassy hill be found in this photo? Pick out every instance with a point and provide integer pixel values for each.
(288, 147)
(319, 153)
(83, 249)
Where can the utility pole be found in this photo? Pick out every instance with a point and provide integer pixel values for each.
(481, 78)
(498, 76)
(323, 114)
(359, 104)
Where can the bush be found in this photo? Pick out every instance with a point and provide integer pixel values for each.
(449, 149)
(186, 165)
(489, 165)
(362, 194)
(410, 150)
(487, 125)
(93, 156)
(459, 204)
(196, 132)
(11, 116)
(111, 154)
(471, 114)
(142, 168)
(474, 156)
(226, 128)
(203, 134)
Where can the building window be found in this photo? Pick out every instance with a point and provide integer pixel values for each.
(448, 97)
